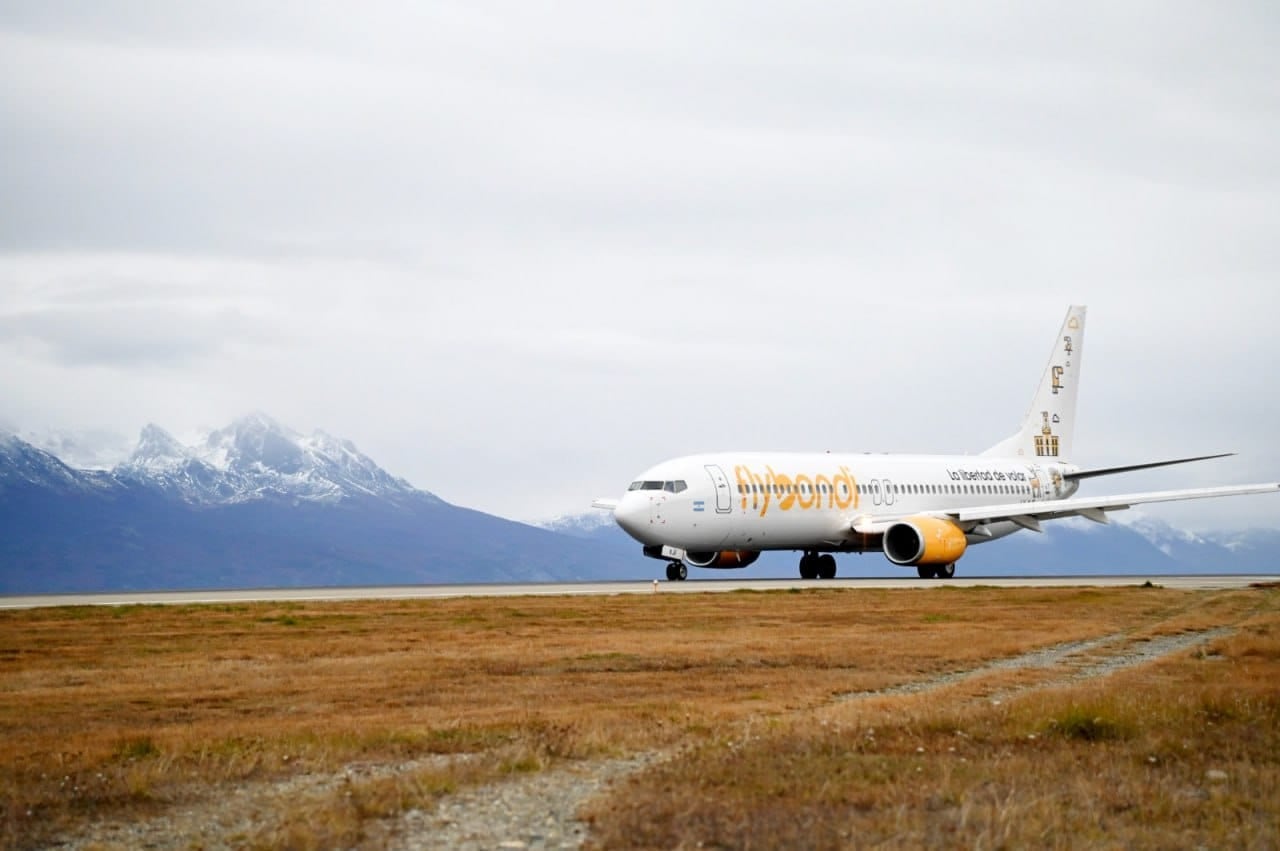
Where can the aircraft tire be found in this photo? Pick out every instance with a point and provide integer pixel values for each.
(808, 566)
(826, 564)
(946, 571)
(926, 571)
(676, 571)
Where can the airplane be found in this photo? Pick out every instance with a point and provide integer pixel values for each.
(722, 510)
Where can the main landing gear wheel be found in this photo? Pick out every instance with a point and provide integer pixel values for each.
(817, 566)
(826, 566)
(809, 566)
(676, 571)
(936, 571)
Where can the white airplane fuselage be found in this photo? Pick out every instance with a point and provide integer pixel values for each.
(804, 501)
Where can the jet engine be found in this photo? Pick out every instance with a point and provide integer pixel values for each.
(924, 540)
(722, 558)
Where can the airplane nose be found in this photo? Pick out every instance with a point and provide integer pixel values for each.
(632, 514)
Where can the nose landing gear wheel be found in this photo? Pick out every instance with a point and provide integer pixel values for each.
(677, 572)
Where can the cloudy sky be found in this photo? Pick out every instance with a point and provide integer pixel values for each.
(518, 252)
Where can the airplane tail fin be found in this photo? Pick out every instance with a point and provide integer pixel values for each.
(1050, 423)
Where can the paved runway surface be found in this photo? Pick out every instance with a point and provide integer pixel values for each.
(415, 592)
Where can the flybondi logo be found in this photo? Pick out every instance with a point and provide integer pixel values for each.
(787, 492)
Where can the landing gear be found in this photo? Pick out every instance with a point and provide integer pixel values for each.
(817, 566)
(936, 571)
(676, 571)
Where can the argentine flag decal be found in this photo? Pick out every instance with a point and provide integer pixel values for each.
(699, 505)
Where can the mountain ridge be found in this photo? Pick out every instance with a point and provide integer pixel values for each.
(255, 504)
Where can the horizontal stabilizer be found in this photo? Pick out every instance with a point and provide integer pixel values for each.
(1129, 468)
(609, 504)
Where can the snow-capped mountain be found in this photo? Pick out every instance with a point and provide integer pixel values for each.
(586, 525)
(257, 504)
(24, 464)
(256, 457)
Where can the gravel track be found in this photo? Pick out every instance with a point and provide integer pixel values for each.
(534, 812)
(1078, 658)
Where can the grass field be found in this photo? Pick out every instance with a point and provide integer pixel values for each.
(829, 718)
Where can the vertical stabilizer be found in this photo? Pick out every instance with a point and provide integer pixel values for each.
(1049, 424)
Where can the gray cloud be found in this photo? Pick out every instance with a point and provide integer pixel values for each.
(131, 338)
(547, 247)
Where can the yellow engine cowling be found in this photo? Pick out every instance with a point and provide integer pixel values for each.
(722, 558)
(924, 540)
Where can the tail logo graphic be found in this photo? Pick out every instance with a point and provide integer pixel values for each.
(1046, 440)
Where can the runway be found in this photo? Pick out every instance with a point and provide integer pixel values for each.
(703, 586)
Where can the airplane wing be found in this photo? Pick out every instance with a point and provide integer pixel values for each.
(1028, 514)
(609, 504)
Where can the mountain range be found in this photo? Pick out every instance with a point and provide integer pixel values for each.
(256, 504)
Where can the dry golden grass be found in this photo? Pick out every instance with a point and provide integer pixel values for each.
(1126, 761)
(117, 713)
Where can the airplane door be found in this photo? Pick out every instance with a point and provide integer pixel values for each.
(888, 492)
(875, 491)
(724, 499)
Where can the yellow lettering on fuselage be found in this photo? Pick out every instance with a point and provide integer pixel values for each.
(798, 490)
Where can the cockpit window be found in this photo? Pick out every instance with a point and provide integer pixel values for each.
(650, 485)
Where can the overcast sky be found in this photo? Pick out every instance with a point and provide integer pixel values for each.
(519, 252)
